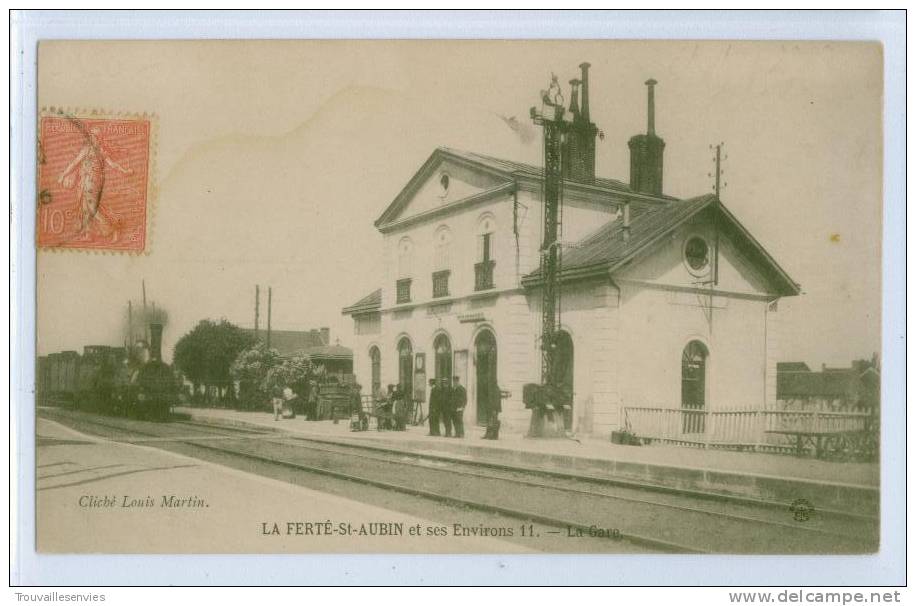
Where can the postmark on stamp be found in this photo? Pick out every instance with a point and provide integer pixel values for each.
(94, 181)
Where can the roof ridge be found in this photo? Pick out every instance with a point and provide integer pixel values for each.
(520, 166)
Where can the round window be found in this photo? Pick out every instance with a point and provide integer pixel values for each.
(444, 182)
(696, 253)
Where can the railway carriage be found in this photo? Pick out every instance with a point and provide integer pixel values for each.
(103, 379)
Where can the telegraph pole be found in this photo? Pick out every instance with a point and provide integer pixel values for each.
(257, 308)
(145, 316)
(270, 294)
(717, 189)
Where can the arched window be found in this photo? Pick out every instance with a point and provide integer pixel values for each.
(375, 361)
(443, 349)
(693, 387)
(405, 365)
(442, 262)
(405, 271)
(486, 249)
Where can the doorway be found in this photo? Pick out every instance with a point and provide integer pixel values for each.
(487, 386)
(405, 365)
(693, 387)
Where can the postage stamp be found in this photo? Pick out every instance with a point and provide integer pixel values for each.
(94, 181)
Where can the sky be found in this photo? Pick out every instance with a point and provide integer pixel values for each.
(273, 159)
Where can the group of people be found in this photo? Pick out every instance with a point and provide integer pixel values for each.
(446, 407)
(282, 401)
(394, 408)
(285, 401)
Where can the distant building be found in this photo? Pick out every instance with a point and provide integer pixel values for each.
(853, 389)
(289, 342)
(315, 344)
(667, 304)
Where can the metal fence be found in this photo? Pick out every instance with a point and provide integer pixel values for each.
(737, 429)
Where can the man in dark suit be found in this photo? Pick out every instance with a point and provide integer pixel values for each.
(445, 409)
(435, 407)
(458, 400)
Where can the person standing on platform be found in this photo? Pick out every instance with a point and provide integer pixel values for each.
(358, 419)
(386, 408)
(459, 398)
(277, 401)
(289, 403)
(496, 407)
(446, 410)
(400, 408)
(311, 406)
(435, 407)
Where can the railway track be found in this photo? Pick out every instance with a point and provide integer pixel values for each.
(641, 515)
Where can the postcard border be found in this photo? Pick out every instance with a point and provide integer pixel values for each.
(886, 568)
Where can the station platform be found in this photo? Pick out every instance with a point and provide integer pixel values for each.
(99, 496)
(842, 486)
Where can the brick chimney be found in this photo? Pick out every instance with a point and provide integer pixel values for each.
(579, 163)
(325, 335)
(647, 153)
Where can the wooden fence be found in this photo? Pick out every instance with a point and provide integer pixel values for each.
(736, 429)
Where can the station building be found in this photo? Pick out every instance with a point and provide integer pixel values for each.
(667, 304)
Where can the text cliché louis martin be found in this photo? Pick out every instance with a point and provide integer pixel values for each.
(169, 501)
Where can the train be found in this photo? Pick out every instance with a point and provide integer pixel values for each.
(110, 380)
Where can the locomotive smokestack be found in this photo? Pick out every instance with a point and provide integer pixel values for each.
(584, 67)
(155, 346)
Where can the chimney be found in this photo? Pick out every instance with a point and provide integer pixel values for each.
(584, 67)
(579, 161)
(155, 346)
(626, 221)
(650, 129)
(574, 98)
(647, 153)
(325, 335)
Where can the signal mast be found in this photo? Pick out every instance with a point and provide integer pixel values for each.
(548, 400)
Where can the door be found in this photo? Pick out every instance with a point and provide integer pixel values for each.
(693, 387)
(487, 387)
(405, 365)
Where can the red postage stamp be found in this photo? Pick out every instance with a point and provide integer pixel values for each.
(94, 182)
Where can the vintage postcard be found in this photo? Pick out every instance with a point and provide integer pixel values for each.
(479, 297)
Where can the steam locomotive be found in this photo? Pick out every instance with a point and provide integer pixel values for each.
(109, 380)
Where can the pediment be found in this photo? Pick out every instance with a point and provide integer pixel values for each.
(444, 179)
(674, 261)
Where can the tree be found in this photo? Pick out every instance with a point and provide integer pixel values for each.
(250, 369)
(206, 354)
(293, 372)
